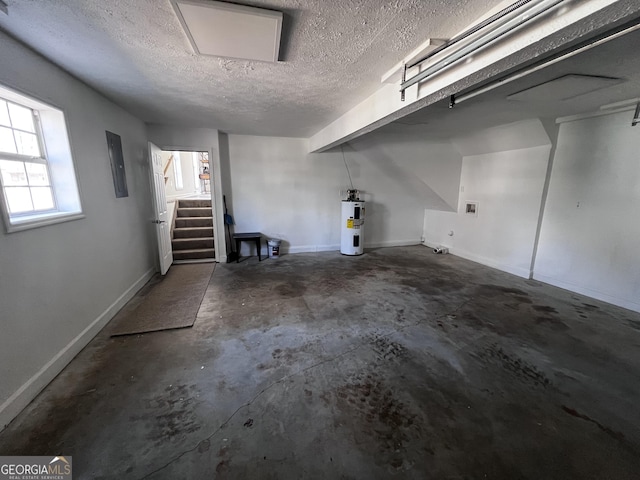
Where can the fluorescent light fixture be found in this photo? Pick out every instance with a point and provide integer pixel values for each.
(229, 30)
(564, 88)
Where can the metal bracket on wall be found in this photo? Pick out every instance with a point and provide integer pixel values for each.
(404, 78)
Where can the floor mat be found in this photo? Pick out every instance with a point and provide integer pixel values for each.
(165, 302)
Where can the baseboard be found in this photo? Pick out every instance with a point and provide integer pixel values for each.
(620, 302)
(327, 248)
(520, 272)
(336, 247)
(30, 389)
(392, 243)
(311, 248)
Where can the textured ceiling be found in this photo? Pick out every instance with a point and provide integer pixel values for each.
(332, 56)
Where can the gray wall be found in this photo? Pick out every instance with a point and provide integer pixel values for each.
(279, 189)
(61, 283)
(591, 227)
(588, 228)
(504, 170)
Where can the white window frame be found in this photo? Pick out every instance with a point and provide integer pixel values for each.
(177, 171)
(55, 148)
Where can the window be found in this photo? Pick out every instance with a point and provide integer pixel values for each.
(24, 169)
(36, 169)
(177, 170)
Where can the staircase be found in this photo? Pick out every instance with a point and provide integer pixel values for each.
(192, 237)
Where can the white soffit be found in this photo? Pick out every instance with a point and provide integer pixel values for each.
(564, 88)
(229, 30)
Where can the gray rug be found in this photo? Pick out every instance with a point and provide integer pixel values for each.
(165, 303)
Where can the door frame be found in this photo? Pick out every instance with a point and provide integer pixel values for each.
(220, 247)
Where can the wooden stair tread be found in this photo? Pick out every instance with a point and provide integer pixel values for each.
(193, 230)
(191, 250)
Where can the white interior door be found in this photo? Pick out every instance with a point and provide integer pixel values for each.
(161, 220)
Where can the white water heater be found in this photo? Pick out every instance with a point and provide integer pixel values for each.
(352, 233)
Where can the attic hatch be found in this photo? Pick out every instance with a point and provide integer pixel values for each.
(564, 88)
(229, 30)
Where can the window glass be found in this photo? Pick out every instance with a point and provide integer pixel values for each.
(13, 173)
(37, 174)
(7, 143)
(4, 114)
(177, 170)
(42, 198)
(27, 143)
(18, 199)
(21, 117)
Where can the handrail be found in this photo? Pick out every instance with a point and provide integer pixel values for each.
(168, 164)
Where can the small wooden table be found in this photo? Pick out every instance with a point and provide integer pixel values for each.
(254, 236)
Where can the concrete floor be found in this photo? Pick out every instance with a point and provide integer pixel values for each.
(396, 364)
